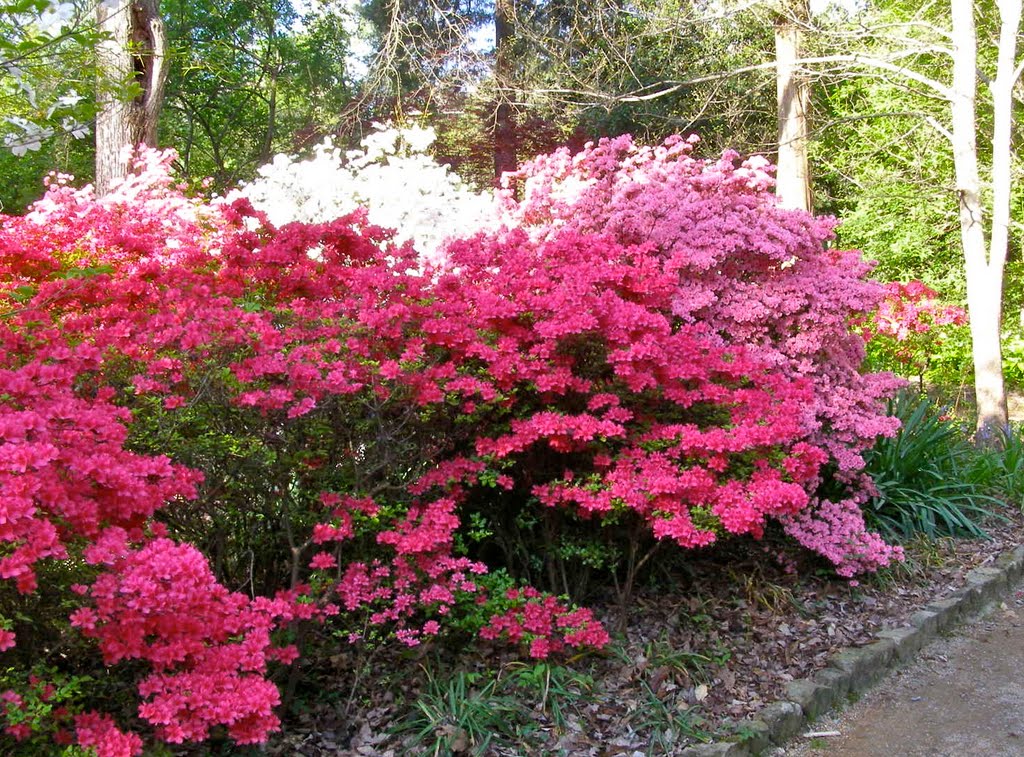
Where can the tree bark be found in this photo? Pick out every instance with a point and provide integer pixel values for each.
(134, 48)
(983, 263)
(505, 153)
(793, 177)
(273, 67)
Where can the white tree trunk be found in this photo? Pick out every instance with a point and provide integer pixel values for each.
(984, 267)
(793, 177)
(134, 48)
(1002, 116)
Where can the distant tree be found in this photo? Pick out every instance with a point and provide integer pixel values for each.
(47, 84)
(937, 58)
(251, 79)
(984, 260)
(793, 178)
(131, 51)
(46, 73)
(505, 154)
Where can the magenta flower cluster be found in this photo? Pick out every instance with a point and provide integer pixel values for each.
(674, 346)
(745, 274)
(545, 624)
(910, 308)
(909, 325)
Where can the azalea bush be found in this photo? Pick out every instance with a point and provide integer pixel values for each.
(147, 325)
(749, 277)
(916, 335)
(392, 176)
(253, 442)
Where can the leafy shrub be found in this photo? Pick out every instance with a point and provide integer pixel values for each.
(999, 464)
(911, 330)
(392, 176)
(318, 401)
(928, 476)
(748, 275)
(1013, 358)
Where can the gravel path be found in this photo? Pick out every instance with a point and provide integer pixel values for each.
(963, 696)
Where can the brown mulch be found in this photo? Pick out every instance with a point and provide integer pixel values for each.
(712, 641)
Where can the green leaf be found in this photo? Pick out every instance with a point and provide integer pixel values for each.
(86, 273)
(23, 293)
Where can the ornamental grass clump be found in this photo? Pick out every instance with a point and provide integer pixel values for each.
(254, 442)
(930, 478)
(1001, 464)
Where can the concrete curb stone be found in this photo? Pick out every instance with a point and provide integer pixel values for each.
(855, 669)
(1012, 563)
(834, 679)
(908, 640)
(948, 612)
(927, 622)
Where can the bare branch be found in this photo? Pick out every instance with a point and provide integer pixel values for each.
(667, 87)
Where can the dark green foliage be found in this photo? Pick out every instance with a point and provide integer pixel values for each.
(22, 175)
(927, 476)
(247, 80)
(263, 474)
(1000, 464)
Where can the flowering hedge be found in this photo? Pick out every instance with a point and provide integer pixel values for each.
(748, 274)
(391, 176)
(649, 343)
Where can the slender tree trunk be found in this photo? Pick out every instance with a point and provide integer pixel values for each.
(505, 157)
(793, 177)
(273, 70)
(983, 264)
(268, 139)
(134, 49)
(1002, 115)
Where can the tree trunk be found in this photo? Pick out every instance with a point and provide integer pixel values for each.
(1002, 117)
(983, 265)
(505, 157)
(133, 50)
(273, 71)
(793, 177)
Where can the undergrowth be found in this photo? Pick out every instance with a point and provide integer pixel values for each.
(933, 481)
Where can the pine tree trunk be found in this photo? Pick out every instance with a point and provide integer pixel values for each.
(133, 50)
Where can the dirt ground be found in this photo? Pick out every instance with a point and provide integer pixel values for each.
(706, 648)
(963, 696)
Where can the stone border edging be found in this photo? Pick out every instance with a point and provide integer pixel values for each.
(853, 670)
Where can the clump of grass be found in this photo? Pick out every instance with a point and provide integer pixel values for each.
(666, 723)
(460, 714)
(476, 713)
(931, 479)
(553, 689)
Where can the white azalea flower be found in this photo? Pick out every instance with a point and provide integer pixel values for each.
(401, 187)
